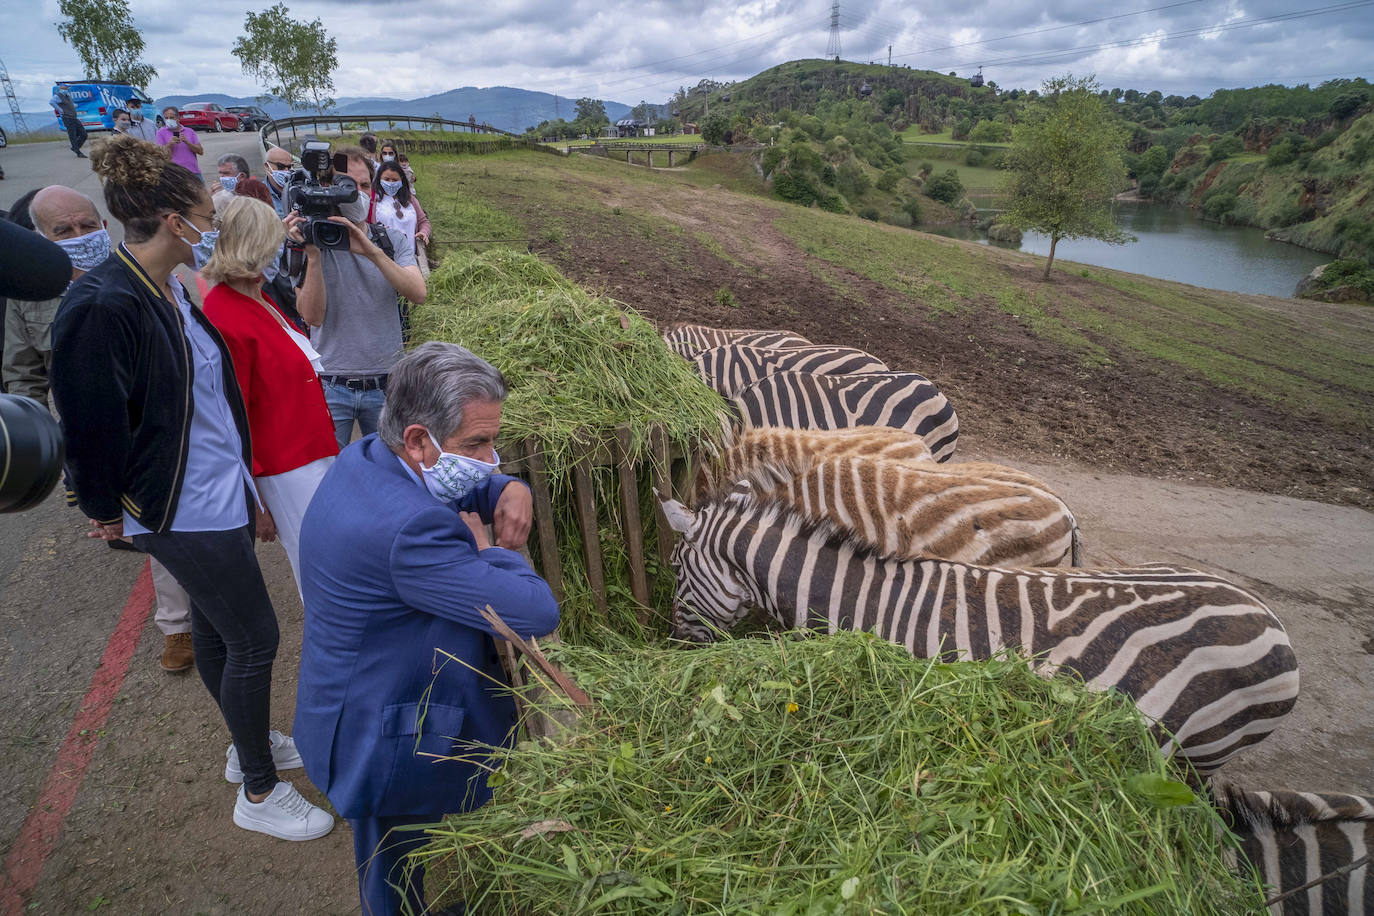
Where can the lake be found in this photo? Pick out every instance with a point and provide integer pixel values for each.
(1176, 245)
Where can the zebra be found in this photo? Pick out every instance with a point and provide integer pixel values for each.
(978, 513)
(902, 400)
(1207, 664)
(730, 368)
(1296, 838)
(768, 456)
(687, 340)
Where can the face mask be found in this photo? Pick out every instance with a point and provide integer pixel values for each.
(279, 176)
(228, 182)
(87, 251)
(202, 249)
(356, 211)
(391, 187)
(387, 157)
(269, 273)
(171, 123)
(136, 114)
(122, 126)
(453, 476)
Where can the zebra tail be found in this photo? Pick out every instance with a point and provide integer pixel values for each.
(1075, 545)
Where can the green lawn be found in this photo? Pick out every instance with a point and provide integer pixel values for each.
(673, 140)
(913, 135)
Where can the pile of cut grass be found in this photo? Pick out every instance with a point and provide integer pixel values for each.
(578, 366)
(834, 775)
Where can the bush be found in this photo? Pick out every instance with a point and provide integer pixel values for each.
(726, 298)
(925, 168)
(1349, 272)
(1149, 185)
(1219, 206)
(889, 180)
(772, 158)
(973, 157)
(911, 206)
(852, 180)
(870, 213)
(1281, 153)
(1225, 148)
(945, 187)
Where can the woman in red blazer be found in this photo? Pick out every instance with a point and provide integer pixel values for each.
(292, 431)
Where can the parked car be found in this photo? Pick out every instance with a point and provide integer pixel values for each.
(252, 114)
(208, 115)
(96, 101)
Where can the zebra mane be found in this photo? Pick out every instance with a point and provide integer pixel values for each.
(1284, 810)
(774, 512)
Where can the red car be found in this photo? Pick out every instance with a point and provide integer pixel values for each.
(209, 116)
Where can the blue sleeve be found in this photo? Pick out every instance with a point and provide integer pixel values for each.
(484, 497)
(437, 569)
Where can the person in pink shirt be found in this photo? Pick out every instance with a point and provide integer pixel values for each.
(181, 142)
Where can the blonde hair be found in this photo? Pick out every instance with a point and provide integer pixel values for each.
(250, 234)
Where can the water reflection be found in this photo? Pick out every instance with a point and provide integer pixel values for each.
(1175, 245)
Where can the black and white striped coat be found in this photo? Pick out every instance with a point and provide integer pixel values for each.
(687, 340)
(1293, 838)
(733, 367)
(901, 400)
(1206, 662)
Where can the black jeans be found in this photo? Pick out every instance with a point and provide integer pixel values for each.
(233, 633)
(76, 135)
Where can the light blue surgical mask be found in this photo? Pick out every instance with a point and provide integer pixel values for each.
(391, 187)
(202, 248)
(228, 182)
(454, 476)
(87, 251)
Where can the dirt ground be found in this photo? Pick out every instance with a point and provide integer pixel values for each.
(1159, 468)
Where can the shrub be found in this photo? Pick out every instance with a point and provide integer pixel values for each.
(973, 157)
(945, 187)
(852, 180)
(925, 168)
(726, 298)
(772, 158)
(911, 206)
(1349, 272)
(889, 180)
(870, 213)
(794, 188)
(1219, 206)
(1225, 148)
(1281, 153)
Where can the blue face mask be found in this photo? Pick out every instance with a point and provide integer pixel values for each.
(228, 182)
(391, 187)
(454, 476)
(204, 247)
(87, 251)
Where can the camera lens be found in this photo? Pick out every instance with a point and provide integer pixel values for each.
(330, 235)
(31, 453)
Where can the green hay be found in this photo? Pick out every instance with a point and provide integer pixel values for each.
(834, 775)
(578, 366)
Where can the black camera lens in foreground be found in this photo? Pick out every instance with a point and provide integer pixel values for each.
(31, 453)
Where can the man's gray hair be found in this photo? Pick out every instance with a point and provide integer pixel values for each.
(430, 385)
(236, 161)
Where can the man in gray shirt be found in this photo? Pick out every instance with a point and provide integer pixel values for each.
(139, 126)
(349, 300)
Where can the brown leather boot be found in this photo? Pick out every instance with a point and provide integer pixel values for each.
(177, 656)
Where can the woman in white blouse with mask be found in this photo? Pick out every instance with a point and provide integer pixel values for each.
(292, 431)
(394, 206)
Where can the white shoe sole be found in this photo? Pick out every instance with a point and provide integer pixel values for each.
(248, 822)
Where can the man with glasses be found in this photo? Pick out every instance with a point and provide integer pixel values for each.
(279, 167)
(139, 126)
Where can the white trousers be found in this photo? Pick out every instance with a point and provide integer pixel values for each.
(173, 614)
(287, 496)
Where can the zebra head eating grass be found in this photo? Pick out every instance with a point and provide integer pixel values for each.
(901, 400)
(687, 340)
(1296, 839)
(732, 368)
(1204, 661)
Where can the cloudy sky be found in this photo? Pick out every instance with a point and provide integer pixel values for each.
(629, 50)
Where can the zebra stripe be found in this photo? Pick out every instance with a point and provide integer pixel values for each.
(688, 340)
(1208, 665)
(901, 400)
(731, 368)
(1294, 838)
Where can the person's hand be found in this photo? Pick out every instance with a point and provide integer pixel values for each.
(267, 527)
(479, 530)
(112, 532)
(215, 187)
(358, 240)
(293, 222)
(424, 239)
(513, 515)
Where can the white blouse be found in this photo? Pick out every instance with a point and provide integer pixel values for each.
(384, 209)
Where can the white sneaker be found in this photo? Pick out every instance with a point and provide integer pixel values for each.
(285, 814)
(284, 756)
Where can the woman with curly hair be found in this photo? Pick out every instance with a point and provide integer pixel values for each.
(158, 449)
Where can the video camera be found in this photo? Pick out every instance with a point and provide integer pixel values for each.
(306, 195)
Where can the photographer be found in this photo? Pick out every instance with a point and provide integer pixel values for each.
(349, 297)
(181, 142)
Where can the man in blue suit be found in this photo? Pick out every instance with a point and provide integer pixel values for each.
(395, 565)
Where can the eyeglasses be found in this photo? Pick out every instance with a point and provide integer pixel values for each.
(279, 166)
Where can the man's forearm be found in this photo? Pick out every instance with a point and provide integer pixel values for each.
(310, 298)
(408, 281)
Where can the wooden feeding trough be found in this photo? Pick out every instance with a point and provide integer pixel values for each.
(667, 469)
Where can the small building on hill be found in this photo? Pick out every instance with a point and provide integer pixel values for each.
(630, 127)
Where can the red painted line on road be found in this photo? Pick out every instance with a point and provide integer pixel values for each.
(38, 836)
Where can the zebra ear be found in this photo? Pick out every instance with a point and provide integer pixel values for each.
(679, 517)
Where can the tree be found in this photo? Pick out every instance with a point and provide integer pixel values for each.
(103, 35)
(714, 128)
(591, 111)
(1066, 166)
(294, 61)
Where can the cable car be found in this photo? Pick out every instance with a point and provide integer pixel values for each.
(865, 90)
(676, 113)
(725, 97)
(977, 79)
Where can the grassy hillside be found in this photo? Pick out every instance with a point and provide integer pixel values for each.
(1115, 369)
